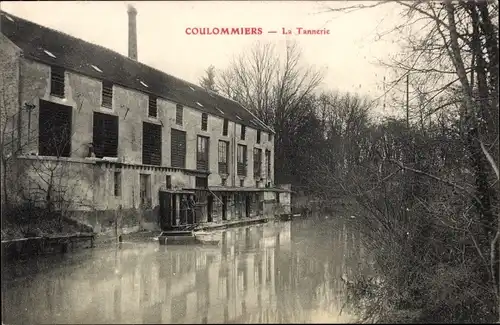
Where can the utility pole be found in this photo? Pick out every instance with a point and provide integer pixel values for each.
(408, 100)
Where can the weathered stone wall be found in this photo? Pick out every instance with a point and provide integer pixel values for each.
(131, 106)
(87, 191)
(91, 184)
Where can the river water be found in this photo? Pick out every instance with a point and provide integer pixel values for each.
(278, 272)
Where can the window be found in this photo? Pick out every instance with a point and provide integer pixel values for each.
(223, 182)
(107, 94)
(242, 160)
(223, 157)
(243, 129)
(268, 162)
(270, 136)
(178, 114)
(152, 106)
(145, 190)
(258, 136)
(201, 182)
(202, 153)
(225, 127)
(54, 133)
(178, 148)
(151, 144)
(257, 162)
(168, 182)
(204, 121)
(57, 81)
(242, 182)
(105, 135)
(118, 183)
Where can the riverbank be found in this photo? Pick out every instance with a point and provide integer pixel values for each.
(27, 247)
(35, 232)
(54, 225)
(66, 242)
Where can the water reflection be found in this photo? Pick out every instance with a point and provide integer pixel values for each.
(273, 273)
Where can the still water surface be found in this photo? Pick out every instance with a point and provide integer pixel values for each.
(272, 273)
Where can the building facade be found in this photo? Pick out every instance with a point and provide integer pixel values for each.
(102, 135)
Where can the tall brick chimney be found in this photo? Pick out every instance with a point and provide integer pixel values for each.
(132, 33)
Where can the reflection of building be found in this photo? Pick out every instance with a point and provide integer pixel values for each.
(172, 285)
(239, 281)
(117, 132)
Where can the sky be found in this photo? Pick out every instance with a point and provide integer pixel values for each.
(349, 54)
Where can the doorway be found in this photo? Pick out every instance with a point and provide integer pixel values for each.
(165, 210)
(224, 207)
(247, 206)
(210, 205)
(145, 190)
(174, 210)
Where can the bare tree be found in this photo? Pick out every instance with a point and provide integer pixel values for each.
(9, 118)
(276, 88)
(271, 85)
(436, 195)
(37, 192)
(208, 80)
(345, 118)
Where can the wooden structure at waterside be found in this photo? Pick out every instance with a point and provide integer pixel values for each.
(177, 216)
(181, 211)
(184, 209)
(176, 210)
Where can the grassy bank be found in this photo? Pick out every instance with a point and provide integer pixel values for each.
(25, 223)
(428, 268)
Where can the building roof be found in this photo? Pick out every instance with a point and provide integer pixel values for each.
(55, 48)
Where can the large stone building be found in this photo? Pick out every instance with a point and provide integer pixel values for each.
(97, 132)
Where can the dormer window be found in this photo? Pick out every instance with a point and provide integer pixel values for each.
(96, 68)
(49, 54)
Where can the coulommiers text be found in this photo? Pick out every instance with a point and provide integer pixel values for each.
(224, 31)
